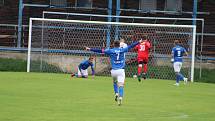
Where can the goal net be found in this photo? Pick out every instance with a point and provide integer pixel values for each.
(57, 46)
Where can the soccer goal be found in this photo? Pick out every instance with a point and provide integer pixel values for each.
(57, 45)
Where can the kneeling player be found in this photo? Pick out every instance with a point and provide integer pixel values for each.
(82, 68)
(142, 57)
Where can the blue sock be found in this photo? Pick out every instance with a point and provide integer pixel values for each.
(181, 76)
(178, 78)
(121, 91)
(76, 75)
(115, 87)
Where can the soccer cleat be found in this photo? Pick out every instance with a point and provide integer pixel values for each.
(139, 78)
(120, 101)
(176, 84)
(72, 74)
(185, 80)
(144, 76)
(116, 97)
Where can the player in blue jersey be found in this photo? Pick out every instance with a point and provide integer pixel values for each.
(117, 59)
(82, 68)
(177, 59)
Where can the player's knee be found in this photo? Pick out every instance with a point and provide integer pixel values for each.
(140, 65)
(145, 63)
(84, 76)
(79, 76)
(120, 84)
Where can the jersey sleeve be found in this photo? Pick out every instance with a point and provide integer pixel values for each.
(107, 51)
(136, 47)
(173, 49)
(97, 50)
(148, 44)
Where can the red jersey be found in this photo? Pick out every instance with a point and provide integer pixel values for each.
(143, 49)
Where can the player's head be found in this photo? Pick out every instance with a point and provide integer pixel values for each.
(144, 38)
(116, 43)
(176, 42)
(122, 40)
(91, 58)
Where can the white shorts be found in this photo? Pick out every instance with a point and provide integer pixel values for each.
(177, 66)
(84, 72)
(118, 75)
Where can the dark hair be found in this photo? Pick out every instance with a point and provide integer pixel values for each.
(116, 43)
(144, 37)
(177, 42)
(91, 57)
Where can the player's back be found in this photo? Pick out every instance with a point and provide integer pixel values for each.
(143, 49)
(85, 64)
(117, 57)
(178, 52)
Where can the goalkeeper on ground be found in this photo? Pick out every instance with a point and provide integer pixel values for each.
(82, 68)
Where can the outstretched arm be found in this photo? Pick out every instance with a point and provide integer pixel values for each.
(95, 50)
(133, 45)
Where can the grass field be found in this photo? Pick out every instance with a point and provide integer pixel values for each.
(57, 97)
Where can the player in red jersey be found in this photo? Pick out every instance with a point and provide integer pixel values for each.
(143, 57)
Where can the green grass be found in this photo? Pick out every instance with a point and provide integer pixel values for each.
(159, 72)
(16, 65)
(19, 65)
(208, 75)
(57, 97)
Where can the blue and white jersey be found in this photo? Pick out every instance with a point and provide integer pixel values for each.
(117, 57)
(85, 64)
(178, 52)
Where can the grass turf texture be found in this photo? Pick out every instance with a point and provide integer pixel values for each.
(18, 65)
(57, 97)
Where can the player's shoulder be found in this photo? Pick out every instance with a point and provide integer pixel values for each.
(114, 49)
(181, 47)
(174, 48)
(85, 61)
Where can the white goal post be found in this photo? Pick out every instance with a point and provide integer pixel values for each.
(51, 39)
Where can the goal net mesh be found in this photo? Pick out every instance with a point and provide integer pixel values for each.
(58, 46)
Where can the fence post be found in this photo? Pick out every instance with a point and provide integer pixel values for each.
(20, 23)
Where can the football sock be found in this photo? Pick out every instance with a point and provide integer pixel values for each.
(76, 75)
(181, 76)
(145, 68)
(115, 87)
(178, 77)
(139, 70)
(121, 91)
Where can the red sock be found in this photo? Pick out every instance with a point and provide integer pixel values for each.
(139, 70)
(145, 68)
